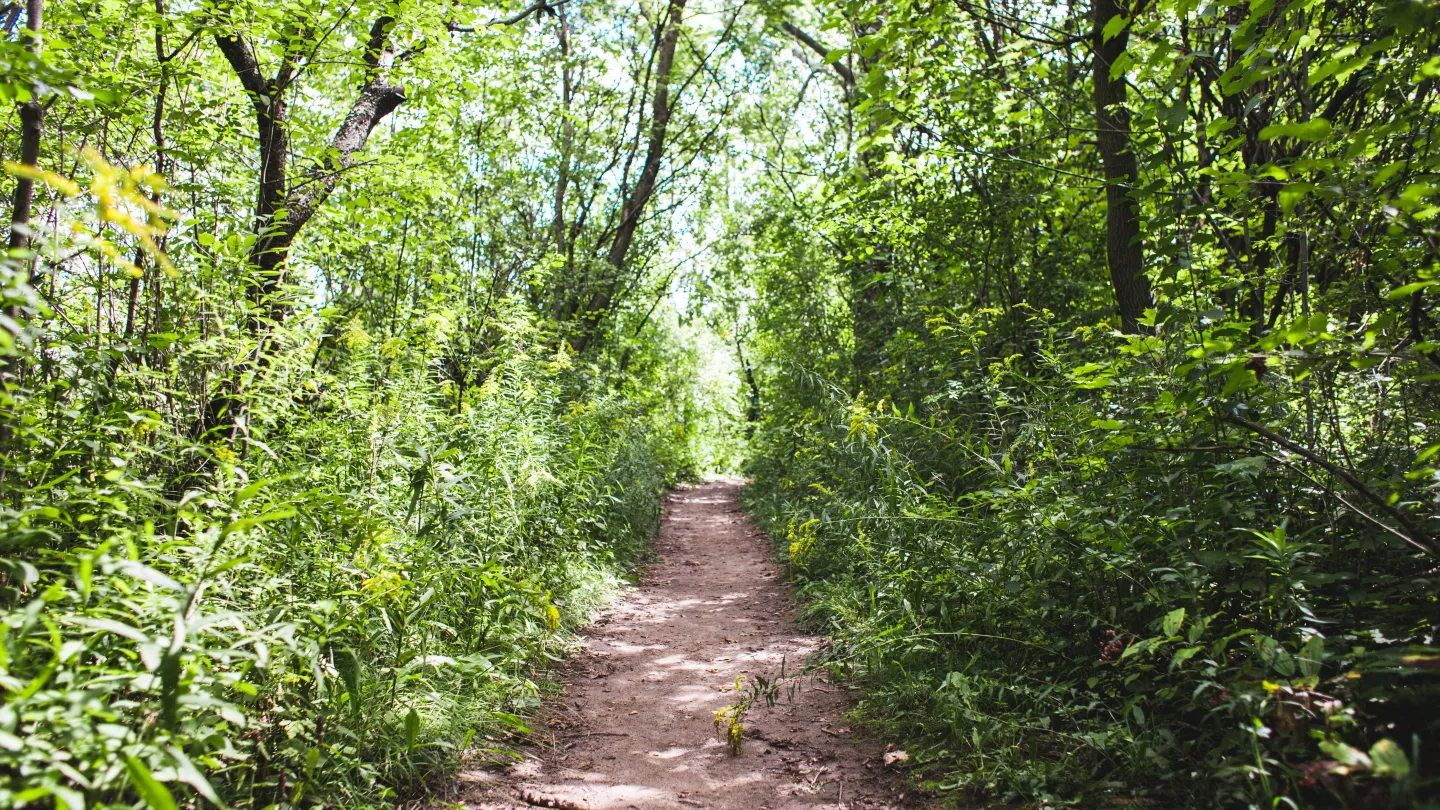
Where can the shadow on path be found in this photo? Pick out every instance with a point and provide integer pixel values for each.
(635, 725)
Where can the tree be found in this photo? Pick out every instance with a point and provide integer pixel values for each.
(1110, 36)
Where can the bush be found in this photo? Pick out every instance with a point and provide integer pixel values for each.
(1079, 574)
(331, 619)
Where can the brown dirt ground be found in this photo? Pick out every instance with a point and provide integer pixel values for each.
(634, 727)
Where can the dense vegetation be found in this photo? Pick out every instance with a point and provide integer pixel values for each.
(1100, 386)
(1084, 355)
(301, 494)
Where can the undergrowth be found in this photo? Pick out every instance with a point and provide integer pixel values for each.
(331, 619)
(1073, 593)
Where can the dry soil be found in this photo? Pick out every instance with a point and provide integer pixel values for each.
(634, 727)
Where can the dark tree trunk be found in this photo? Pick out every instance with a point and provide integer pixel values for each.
(157, 126)
(281, 210)
(32, 120)
(1122, 215)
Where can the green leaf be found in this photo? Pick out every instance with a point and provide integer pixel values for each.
(412, 728)
(113, 627)
(145, 573)
(1284, 663)
(246, 523)
(155, 794)
(1389, 760)
(1173, 621)
(1181, 656)
(1345, 755)
(1114, 27)
(1291, 195)
(1316, 129)
(1218, 126)
(1312, 656)
(186, 772)
(1410, 289)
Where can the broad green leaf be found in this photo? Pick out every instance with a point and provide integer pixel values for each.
(412, 728)
(1410, 289)
(1183, 655)
(1114, 27)
(156, 795)
(1345, 754)
(1316, 129)
(1173, 621)
(1388, 759)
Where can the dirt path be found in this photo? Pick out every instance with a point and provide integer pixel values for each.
(635, 725)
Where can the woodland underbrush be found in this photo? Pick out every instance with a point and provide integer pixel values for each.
(328, 615)
(1077, 574)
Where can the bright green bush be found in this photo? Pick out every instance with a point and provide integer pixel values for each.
(1070, 579)
(331, 620)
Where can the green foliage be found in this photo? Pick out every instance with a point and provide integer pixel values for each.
(1076, 591)
(303, 523)
(1192, 565)
(329, 620)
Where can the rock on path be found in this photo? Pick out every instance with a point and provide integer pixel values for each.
(635, 725)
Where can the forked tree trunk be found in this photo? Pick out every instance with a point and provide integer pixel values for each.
(283, 208)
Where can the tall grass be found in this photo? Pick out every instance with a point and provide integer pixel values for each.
(332, 610)
(1069, 580)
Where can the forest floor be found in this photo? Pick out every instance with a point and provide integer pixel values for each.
(634, 725)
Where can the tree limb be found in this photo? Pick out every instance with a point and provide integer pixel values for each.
(818, 47)
(1416, 535)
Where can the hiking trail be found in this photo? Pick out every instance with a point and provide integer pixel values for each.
(634, 727)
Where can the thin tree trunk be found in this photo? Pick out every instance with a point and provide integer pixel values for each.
(1122, 215)
(32, 119)
(604, 298)
(567, 129)
(158, 131)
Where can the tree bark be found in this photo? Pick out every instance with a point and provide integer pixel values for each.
(567, 131)
(1122, 215)
(281, 210)
(157, 126)
(32, 120)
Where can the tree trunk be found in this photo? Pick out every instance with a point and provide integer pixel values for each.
(604, 298)
(157, 126)
(874, 310)
(32, 119)
(1122, 215)
(281, 211)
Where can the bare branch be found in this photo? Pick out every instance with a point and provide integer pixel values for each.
(818, 47)
(1416, 535)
